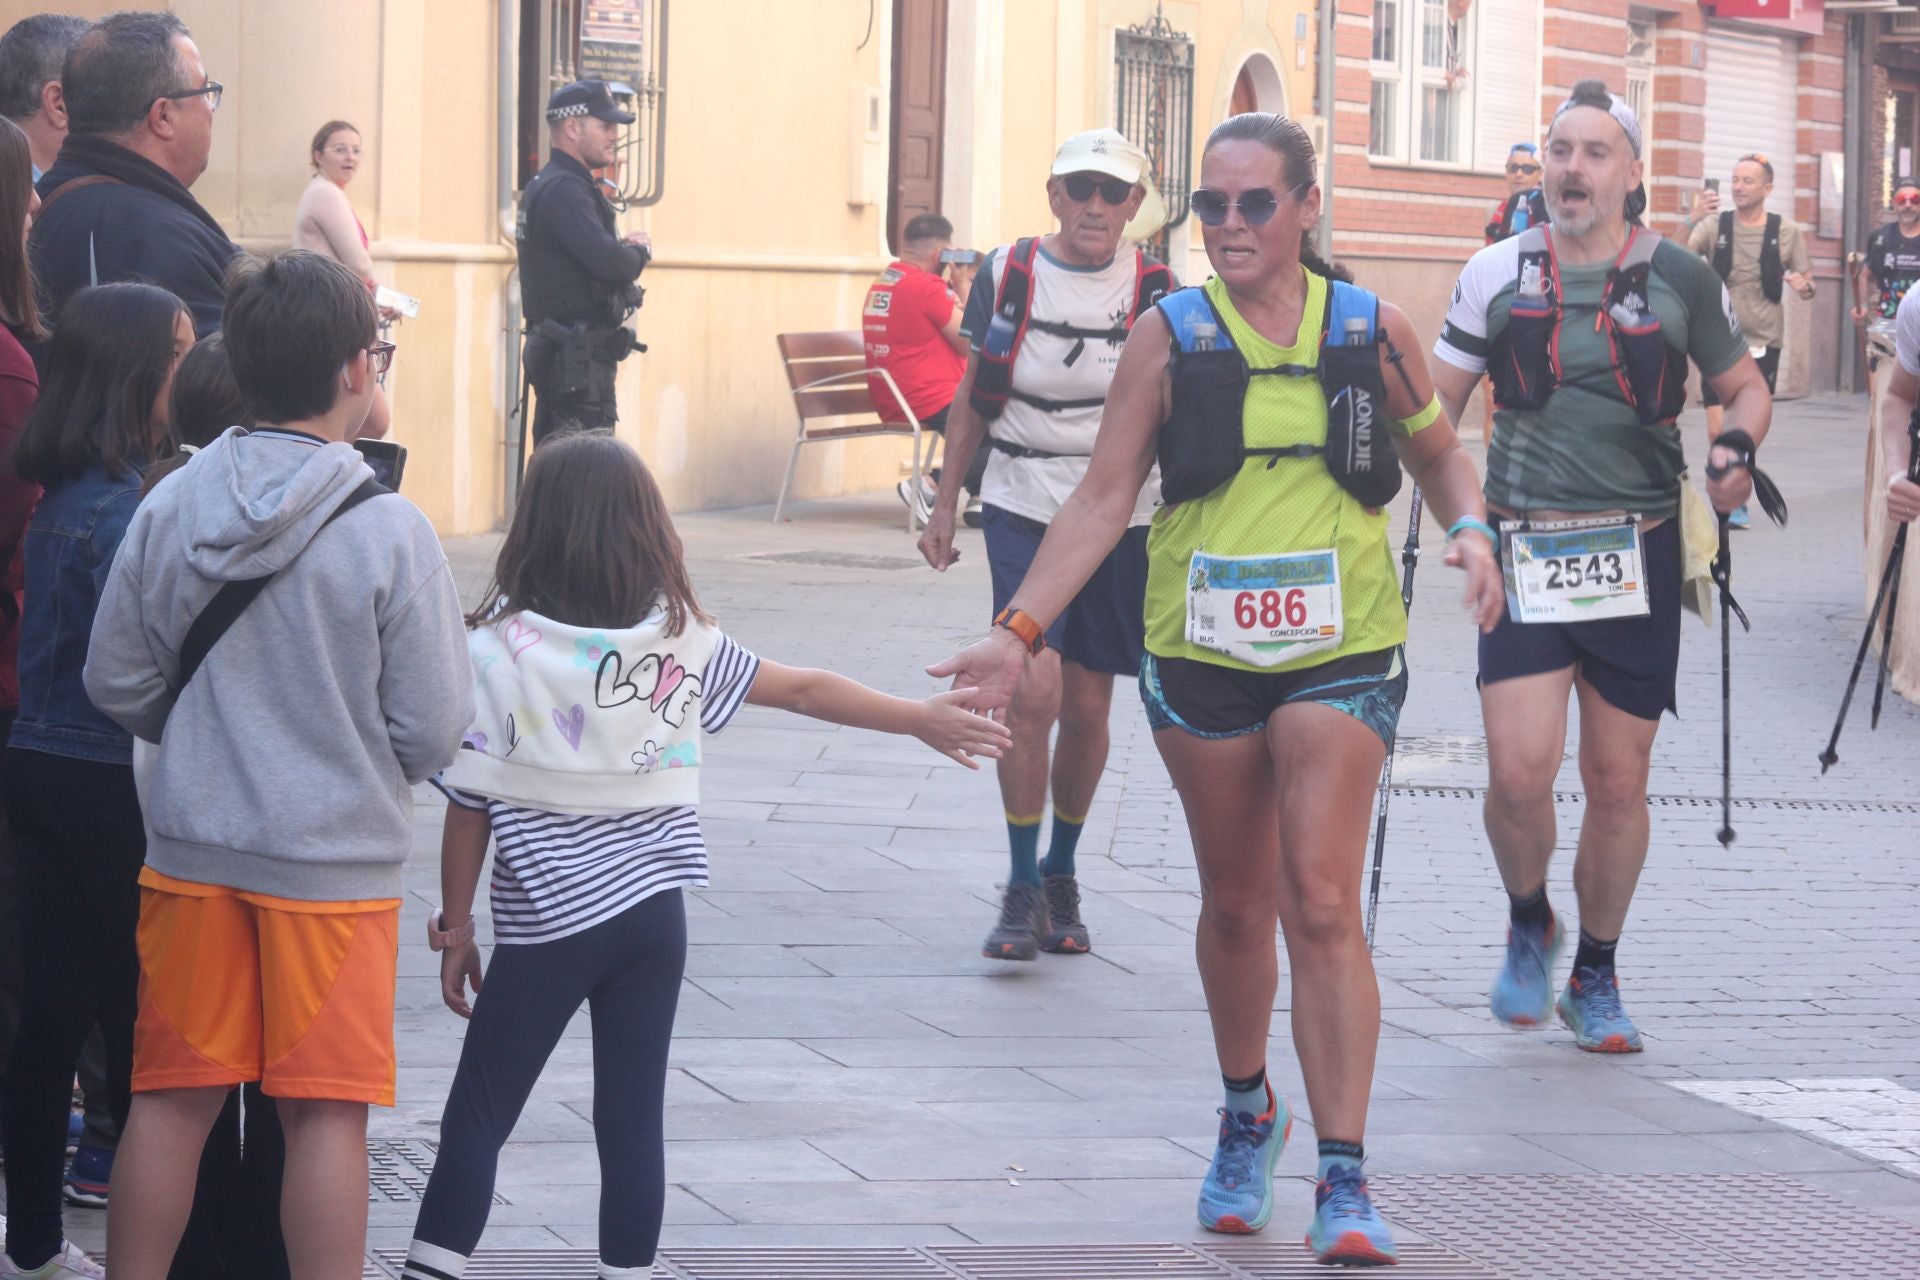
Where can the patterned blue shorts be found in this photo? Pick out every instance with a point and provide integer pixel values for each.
(1210, 701)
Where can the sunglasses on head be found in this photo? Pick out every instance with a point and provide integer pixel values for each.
(1256, 207)
(1906, 198)
(1081, 186)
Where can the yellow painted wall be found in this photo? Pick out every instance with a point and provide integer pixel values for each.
(755, 234)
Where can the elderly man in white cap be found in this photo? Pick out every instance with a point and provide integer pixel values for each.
(1046, 320)
(1586, 327)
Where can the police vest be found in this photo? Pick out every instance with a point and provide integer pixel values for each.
(1524, 358)
(1772, 272)
(1013, 316)
(1203, 442)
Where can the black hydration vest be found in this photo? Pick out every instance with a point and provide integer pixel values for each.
(1524, 359)
(1203, 441)
(1772, 272)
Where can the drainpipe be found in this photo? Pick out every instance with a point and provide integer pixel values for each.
(1323, 233)
(506, 166)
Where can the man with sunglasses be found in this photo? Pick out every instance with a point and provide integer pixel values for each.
(1587, 326)
(116, 204)
(1524, 206)
(1046, 320)
(1893, 258)
(1759, 255)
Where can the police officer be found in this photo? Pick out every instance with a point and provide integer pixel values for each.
(577, 272)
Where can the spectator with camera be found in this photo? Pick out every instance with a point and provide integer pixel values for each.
(911, 327)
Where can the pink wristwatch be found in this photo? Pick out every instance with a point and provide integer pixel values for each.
(440, 939)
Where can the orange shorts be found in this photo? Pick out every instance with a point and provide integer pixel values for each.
(238, 986)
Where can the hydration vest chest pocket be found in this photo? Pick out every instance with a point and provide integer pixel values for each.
(1523, 369)
(1360, 451)
(1202, 442)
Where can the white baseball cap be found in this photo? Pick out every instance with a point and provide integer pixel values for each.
(1108, 151)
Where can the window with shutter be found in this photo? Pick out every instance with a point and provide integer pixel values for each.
(1422, 106)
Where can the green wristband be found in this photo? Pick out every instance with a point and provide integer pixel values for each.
(1476, 524)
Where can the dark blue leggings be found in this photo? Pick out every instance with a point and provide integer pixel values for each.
(627, 969)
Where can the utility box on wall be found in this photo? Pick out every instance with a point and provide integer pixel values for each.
(866, 144)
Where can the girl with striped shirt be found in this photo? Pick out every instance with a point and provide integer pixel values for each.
(595, 674)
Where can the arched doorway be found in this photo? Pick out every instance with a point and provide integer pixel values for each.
(1258, 87)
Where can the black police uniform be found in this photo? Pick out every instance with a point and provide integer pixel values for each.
(577, 280)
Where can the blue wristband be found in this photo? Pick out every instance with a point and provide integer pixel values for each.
(1474, 523)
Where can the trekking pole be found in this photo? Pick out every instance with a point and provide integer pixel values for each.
(1889, 581)
(1409, 557)
(1723, 575)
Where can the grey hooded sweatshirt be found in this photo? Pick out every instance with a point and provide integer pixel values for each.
(286, 766)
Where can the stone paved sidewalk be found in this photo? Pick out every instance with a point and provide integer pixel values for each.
(848, 1071)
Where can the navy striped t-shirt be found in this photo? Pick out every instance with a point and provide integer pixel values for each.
(556, 874)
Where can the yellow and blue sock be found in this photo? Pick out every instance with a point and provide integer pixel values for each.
(1066, 838)
(1023, 837)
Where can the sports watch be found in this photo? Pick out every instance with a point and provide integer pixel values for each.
(1025, 628)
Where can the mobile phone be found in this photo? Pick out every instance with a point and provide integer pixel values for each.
(960, 257)
(1711, 184)
(388, 460)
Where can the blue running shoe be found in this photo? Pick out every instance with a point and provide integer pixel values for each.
(1523, 989)
(1237, 1196)
(87, 1178)
(1591, 1006)
(76, 1126)
(1347, 1230)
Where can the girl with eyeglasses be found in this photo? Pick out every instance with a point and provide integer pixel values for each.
(1274, 745)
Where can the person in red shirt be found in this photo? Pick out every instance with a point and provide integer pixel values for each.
(911, 323)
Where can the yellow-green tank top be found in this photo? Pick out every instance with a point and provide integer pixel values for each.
(1293, 506)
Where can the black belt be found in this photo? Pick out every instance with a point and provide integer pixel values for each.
(1056, 406)
(1021, 451)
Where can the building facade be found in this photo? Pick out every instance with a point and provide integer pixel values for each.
(780, 145)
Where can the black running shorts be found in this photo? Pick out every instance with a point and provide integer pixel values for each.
(1630, 662)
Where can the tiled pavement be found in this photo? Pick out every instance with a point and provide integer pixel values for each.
(848, 1071)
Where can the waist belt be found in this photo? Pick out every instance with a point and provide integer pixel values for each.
(1055, 406)
(1021, 451)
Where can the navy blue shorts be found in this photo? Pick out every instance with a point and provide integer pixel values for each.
(1105, 628)
(1632, 663)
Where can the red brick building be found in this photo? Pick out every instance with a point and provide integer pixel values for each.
(1431, 95)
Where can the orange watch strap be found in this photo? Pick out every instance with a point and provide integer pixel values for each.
(1023, 626)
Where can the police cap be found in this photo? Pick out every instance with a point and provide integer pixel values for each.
(585, 98)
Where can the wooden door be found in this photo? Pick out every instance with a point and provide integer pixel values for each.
(919, 111)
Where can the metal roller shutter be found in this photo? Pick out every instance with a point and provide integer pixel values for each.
(1752, 105)
(1507, 79)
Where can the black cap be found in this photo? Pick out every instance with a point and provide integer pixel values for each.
(585, 98)
(1905, 181)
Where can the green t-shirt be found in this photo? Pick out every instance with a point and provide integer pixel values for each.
(1587, 449)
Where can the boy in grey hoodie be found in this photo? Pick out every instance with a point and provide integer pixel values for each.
(278, 805)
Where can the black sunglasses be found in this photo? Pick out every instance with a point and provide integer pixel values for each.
(1523, 168)
(212, 89)
(1081, 186)
(1256, 207)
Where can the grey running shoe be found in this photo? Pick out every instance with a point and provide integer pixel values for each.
(1066, 935)
(1023, 918)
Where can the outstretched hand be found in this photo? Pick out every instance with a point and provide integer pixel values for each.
(950, 728)
(987, 669)
(1485, 596)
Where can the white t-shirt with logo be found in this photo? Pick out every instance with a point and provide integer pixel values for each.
(1048, 366)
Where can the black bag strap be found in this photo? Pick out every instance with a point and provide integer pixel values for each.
(232, 599)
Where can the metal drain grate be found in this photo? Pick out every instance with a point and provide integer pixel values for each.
(397, 1171)
(1079, 1262)
(1274, 1260)
(1677, 1227)
(801, 1264)
(1898, 807)
(837, 559)
(515, 1264)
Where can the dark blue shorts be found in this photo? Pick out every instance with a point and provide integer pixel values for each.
(1632, 663)
(1105, 627)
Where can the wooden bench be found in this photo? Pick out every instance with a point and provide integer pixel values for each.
(827, 372)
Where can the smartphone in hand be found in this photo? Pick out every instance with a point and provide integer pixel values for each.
(387, 459)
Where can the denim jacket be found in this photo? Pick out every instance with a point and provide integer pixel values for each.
(70, 545)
